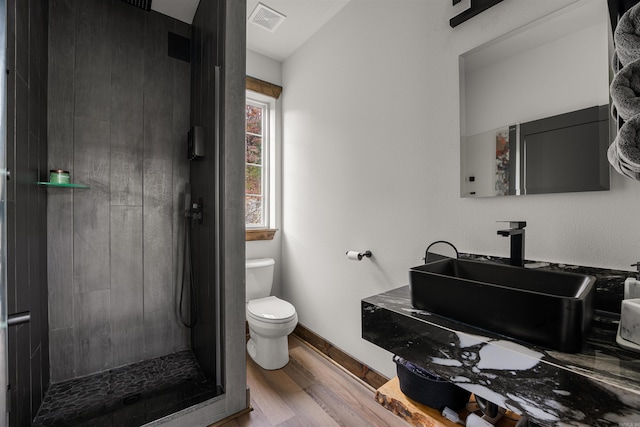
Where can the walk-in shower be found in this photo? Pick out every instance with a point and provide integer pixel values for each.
(121, 313)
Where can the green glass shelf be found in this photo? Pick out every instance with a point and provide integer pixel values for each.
(54, 184)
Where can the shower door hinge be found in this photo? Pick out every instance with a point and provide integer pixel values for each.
(8, 398)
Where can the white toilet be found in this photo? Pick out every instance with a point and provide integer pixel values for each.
(270, 319)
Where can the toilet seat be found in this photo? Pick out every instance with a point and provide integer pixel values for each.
(270, 310)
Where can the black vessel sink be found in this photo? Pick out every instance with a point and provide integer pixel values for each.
(547, 308)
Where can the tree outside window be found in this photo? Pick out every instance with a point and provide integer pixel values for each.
(255, 166)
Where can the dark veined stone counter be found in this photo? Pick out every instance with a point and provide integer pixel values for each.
(599, 386)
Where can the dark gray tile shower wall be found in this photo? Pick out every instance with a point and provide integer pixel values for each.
(118, 119)
(28, 352)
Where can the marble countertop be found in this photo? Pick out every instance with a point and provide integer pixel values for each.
(598, 386)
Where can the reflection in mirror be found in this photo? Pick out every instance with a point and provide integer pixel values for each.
(558, 154)
(551, 67)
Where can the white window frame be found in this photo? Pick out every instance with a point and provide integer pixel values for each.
(268, 140)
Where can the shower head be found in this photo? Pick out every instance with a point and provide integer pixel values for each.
(142, 4)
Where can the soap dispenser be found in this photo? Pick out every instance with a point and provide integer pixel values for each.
(632, 284)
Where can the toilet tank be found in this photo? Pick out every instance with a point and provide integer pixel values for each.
(259, 277)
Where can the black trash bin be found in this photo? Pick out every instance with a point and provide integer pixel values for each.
(428, 388)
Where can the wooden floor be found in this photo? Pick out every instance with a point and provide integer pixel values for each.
(310, 391)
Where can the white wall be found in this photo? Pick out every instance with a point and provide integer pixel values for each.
(270, 70)
(264, 68)
(371, 161)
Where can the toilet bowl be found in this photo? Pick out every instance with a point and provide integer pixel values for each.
(270, 319)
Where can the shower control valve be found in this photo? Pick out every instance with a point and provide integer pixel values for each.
(196, 211)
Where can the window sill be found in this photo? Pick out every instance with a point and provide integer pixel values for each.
(259, 234)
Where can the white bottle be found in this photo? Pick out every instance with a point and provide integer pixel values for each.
(632, 285)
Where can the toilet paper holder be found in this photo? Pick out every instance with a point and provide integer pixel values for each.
(357, 256)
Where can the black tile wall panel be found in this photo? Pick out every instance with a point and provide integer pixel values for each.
(127, 33)
(158, 276)
(93, 60)
(126, 165)
(91, 208)
(21, 176)
(12, 364)
(92, 332)
(61, 95)
(60, 150)
(11, 257)
(127, 290)
(158, 88)
(31, 298)
(61, 352)
(22, 39)
(27, 63)
(11, 71)
(34, 94)
(21, 390)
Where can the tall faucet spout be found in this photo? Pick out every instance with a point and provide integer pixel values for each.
(516, 234)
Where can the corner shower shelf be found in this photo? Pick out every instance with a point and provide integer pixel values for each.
(55, 184)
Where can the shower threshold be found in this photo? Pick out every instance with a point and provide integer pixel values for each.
(128, 396)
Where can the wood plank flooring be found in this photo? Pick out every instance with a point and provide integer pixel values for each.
(310, 391)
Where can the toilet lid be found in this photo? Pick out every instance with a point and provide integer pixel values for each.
(270, 309)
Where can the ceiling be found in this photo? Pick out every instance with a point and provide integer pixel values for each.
(303, 19)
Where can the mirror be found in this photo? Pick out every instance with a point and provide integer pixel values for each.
(534, 107)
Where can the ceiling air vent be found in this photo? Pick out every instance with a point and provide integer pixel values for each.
(265, 17)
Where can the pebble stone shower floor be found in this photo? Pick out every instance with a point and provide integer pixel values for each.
(131, 395)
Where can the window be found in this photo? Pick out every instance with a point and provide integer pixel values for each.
(257, 162)
(261, 174)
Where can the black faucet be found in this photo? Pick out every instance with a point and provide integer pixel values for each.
(516, 232)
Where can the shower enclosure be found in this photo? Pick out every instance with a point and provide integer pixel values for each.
(108, 91)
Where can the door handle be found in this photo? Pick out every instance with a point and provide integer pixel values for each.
(18, 318)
